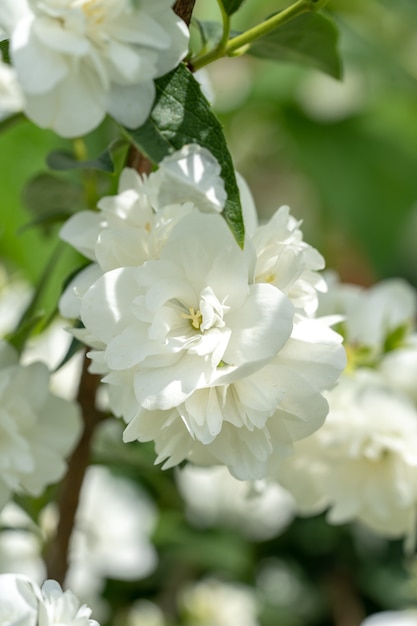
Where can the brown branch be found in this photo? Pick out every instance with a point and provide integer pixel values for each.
(138, 161)
(184, 9)
(58, 553)
(344, 600)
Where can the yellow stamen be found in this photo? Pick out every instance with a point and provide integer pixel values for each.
(195, 317)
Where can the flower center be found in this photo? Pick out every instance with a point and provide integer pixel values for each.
(93, 10)
(195, 317)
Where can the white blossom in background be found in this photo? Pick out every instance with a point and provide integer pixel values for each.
(111, 537)
(15, 295)
(112, 532)
(24, 603)
(133, 226)
(362, 464)
(92, 57)
(371, 315)
(392, 618)
(213, 497)
(11, 97)
(37, 429)
(21, 544)
(212, 602)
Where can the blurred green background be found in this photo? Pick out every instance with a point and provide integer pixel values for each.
(343, 156)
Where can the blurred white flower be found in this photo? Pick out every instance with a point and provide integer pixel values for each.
(392, 618)
(145, 613)
(112, 529)
(212, 602)
(373, 315)
(23, 603)
(37, 429)
(50, 347)
(362, 464)
(18, 603)
(328, 100)
(92, 57)
(20, 544)
(133, 226)
(213, 497)
(11, 97)
(15, 294)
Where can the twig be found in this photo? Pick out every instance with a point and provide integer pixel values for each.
(344, 600)
(58, 554)
(184, 9)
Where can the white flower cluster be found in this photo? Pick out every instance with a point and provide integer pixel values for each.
(208, 350)
(37, 429)
(362, 464)
(22, 602)
(76, 60)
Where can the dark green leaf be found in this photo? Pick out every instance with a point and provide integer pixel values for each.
(231, 6)
(182, 115)
(210, 32)
(10, 121)
(4, 49)
(309, 39)
(47, 195)
(64, 160)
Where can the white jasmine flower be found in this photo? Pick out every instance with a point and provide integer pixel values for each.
(289, 263)
(91, 57)
(133, 226)
(212, 601)
(11, 97)
(249, 424)
(62, 607)
(23, 603)
(37, 429)
(362, 464)
(120, 548)
(189, 320)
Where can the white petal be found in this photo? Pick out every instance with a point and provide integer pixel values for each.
(130, 105)
(260, 327)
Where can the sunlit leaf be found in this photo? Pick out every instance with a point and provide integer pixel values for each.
(310, 39)
(182, 115)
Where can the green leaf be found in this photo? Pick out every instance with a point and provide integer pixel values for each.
(182, 115)
(231, 6)
(50, 198)
(10, 121)
(210, 32)
(64, 160)
(309, 39)
(4, 49)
